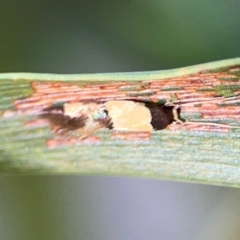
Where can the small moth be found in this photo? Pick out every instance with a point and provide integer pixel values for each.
(120, 115)
(207, 98)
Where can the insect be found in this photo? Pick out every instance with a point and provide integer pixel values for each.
(120, 115)
(207, 98)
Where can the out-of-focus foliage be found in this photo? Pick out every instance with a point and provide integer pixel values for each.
(105, 36)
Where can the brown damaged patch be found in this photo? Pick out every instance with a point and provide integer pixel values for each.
(61, 142)
(48, 93)
(131, 136)
(196, 94)
(200, 127)
(37, 123)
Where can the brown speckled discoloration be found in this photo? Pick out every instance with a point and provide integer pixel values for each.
(131, 136)
(55, 143)
(208, 94)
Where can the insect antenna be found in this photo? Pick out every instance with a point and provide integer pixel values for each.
(177, 119)
(178, 104)
(209, 124)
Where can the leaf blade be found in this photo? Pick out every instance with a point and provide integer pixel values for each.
(204, 157)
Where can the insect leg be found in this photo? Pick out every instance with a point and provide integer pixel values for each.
(90, 130)
(175, 112)
(186, 122)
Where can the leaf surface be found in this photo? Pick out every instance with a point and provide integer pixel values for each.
(205, 155)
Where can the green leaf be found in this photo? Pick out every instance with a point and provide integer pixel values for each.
(193, 156)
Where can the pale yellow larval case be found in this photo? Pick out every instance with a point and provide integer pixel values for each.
(129, 115)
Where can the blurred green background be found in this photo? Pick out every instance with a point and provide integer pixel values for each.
(113, 36)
